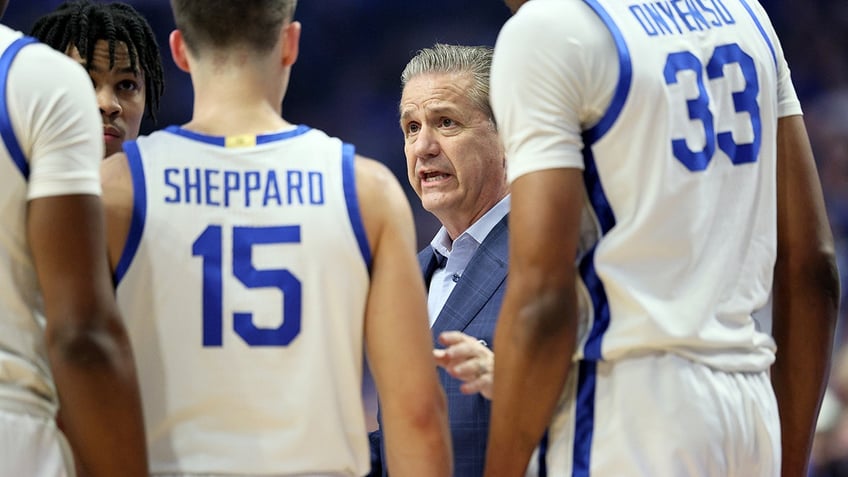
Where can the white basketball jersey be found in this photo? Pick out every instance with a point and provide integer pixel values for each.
(244, 283)
(680, 175)
(671, 110)
(50, 146)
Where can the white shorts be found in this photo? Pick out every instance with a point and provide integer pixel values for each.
(32, 445)
(661, 415)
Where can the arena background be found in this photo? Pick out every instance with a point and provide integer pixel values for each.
(346, 82)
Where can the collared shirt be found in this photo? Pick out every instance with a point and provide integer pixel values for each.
(458, 255)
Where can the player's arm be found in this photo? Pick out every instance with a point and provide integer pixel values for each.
(398, 341)
(89, 353)
(806, 294)
(537, 98)
(537, 327)
(88, 349)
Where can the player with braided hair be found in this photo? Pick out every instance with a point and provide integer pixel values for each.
(63, 343)
(118, 48)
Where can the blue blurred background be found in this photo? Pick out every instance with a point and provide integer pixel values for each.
(346, 82)
(347, 78)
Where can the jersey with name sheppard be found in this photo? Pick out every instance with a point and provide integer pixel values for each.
(243, 263)
(273, 186)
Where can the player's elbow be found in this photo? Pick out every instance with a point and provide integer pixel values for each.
(826, 277)
(418, 421)
(92, 343)
(551, 309)
(813, 270)
(421, 410)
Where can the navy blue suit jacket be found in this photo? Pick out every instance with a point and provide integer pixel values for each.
(472, 308)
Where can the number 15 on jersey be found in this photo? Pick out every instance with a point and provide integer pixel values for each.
(209, 246)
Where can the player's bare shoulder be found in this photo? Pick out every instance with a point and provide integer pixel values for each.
(372, 171)
(117, 185)
(381, 198)
(375, 183)
(115, 177)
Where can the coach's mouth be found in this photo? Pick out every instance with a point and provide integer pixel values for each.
(432, 177)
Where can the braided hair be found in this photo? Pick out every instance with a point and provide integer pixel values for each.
(81, 23)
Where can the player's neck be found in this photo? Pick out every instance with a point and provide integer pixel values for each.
(227, 119)
(235, 104)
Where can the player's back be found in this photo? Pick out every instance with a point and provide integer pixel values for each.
(680, 174)
(244, 284)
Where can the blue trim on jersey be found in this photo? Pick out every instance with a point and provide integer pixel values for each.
(594, 188)
(139, 213)
(6, 130)
(543, 455)
(584, 421)
(762, 30)
(221, 141)
(584, 418)
(625, 74)
(349, 184)
(606, 219)
(592, 351)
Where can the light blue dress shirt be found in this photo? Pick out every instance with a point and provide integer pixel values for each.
(458, 255)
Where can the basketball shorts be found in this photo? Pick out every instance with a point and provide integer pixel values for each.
(32, 445)
(661, 415)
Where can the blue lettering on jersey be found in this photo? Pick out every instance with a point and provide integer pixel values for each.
(209, 246)
(669, 13)
(169, 182)
(251, 184)
(669, 17)
(232, 183)
(723, 12)
(650, 19)
(691, 11)
(716, 21)
(223, 188)
(192, 185)
(744, 103)
(272, 190)
(212, 187)
(295, 182)
(316, 188)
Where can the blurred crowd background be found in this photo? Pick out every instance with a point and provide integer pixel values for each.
(346, 82)
(347, 78)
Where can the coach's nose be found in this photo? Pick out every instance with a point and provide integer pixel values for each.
(426, 143)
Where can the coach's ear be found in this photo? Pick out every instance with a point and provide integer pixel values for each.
(179, 51)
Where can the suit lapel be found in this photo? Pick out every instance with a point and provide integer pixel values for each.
(481, 278)
(429, 263)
